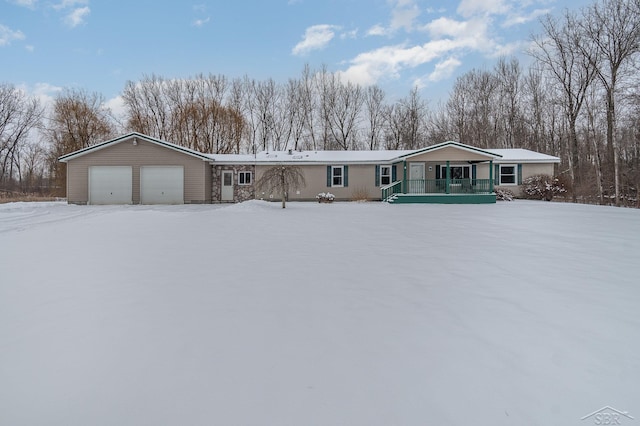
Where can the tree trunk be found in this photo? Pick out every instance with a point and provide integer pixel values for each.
(284, 190)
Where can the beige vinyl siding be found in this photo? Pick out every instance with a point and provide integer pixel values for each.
(528, 170)
(197, 172)
(361, 181)
(448, 154)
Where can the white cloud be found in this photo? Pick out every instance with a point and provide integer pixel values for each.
(77, 16)
(30, 47)
(7, 35)
(201, 22)
(117, 107)
(450, 28)
(518, 19)
(387, 62)
(44, 92)
(377, 30)
(444, 69)
(349, 34)
(315, 37)
(25, 3)
(468, 8)
(66, 4)
(447, 37)
(404, 14)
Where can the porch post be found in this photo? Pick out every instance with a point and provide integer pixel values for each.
(448, 179)
(490, 176)
(404, 176)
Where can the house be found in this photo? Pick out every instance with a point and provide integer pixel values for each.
(138, 169)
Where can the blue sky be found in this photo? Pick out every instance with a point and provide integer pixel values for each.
(46, 45)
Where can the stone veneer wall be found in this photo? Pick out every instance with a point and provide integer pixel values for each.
(240, 192)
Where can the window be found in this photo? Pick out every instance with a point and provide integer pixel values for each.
(244, 178)
(337, 176)
(456, 172)
(385, 175)
(508, 174)
(227, 178)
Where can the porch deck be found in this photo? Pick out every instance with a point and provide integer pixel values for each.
(440, 191)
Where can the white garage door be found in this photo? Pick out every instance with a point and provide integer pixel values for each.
(110, 185)
(162, 185)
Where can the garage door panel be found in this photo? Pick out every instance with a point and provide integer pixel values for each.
(110, 185)
(162, 184)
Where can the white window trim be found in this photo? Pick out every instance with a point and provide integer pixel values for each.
(515, 175)
(333, 185)
(240, 173)
(389, 175)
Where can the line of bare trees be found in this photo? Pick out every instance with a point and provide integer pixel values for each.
(579, 100)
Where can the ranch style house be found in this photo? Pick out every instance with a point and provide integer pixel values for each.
(139, 169)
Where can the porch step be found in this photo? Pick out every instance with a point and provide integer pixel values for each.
(443, 199)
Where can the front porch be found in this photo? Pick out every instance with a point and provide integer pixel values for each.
(448, 173)
(440, 191)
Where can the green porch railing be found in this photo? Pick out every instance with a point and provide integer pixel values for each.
(389, 190)
(456, 186)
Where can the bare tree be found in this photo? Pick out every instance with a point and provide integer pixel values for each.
(406, 122)
(561, 50)
(614, 28)
(374, 111)
(281, 179)
(33, 167)
(79, 120)
(148, 107)
(295, 111)
(344, 112)
(509, 120)
(19, 115)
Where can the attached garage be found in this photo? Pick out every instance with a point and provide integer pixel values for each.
(138, 169)
(110, 185)
(162, 185)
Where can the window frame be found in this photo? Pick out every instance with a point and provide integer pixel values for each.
(242, 177)
(443, 170)
(333, 177)
(388, 175)
(514, 175)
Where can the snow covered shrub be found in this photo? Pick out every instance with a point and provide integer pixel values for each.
(504, 195)
(542, 187)
(325, 197)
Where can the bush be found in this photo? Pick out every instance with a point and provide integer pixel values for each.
(360, 194)
(325, 197)
(542, 187)
(504, 195)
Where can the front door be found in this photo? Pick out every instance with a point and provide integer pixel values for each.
(416, 178)
(227, 185)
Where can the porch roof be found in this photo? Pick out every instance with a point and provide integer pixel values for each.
(490, 155)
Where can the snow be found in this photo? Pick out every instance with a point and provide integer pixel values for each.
(312, 157)
(519, 313)
(520, 155)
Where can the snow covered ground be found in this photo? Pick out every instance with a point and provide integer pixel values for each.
(521, 313)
